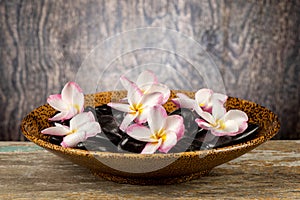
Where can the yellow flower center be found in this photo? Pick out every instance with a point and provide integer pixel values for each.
(219, 124)
(76, 106)
(136, 108)
(161, 134)
(201, 104)
(72, 131)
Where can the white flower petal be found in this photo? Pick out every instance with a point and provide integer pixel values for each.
(143, 115)
(219, 97)
(207, 117)
(203, 96)
(70, 113)
(182, 96)
(127, 120)
(199, 110)
(175, 124)
(134, 94)
(69, 102)
(236, 115)
(57, 103)
(73, 139)
(78, 101)
(239, 117)
(229, 127)
(156, 119)
(163, 89)
(151, 99)
(184, 101)
(151, 148)
(242, 128)
(61, 116)
(81, 119)
(91, 129)
(55, 130)
(203, 124)
(140, 132)
(169, 142)
(69, 90)
(218, 110)
(120, 106)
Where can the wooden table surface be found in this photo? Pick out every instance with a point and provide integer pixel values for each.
(271, 171)
(254, 44)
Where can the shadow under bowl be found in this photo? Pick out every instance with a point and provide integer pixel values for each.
(154, 168)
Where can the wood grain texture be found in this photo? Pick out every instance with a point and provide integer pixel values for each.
(254, 43)
(272, 171)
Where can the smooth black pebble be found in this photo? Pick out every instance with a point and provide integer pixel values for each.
(100, 143)
(132, 145)
(55, 139)
(110, 127)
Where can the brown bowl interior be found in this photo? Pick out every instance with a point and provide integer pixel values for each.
(156, 168)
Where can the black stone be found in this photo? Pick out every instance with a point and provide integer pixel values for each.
(100, 143)
(55, 139)
(110, 128)
(132, 145)
(108, 111)
(182, 145)
(81, 145)
(103, 110)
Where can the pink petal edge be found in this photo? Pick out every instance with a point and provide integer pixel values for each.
(139, 132)
(151, 148)
(76, 86)
(127, 120)
(169, 143)
(56, 102)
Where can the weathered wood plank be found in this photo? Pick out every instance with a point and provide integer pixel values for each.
(272, 171)
(254, 43)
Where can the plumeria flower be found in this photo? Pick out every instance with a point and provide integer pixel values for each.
(147, 82)
(163, 133)
(82, 126)
(138, 106)
(222, 123)
(204, 99)
(70, 102)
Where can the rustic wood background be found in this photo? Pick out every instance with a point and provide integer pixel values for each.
(254, 43)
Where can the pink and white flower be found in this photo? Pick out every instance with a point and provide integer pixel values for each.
(138, 105)
(147, 82)
(70, 102)
(204, 99)
(82, 126)
(222, 123)
(163, 133)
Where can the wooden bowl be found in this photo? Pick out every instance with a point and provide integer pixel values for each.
(155, 168)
